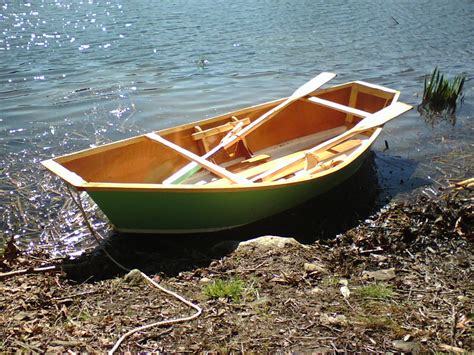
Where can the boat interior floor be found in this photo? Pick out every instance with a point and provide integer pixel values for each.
(292, 156)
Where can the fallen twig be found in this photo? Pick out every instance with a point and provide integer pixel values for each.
(452, 349)
(466, 184)
(29, 271)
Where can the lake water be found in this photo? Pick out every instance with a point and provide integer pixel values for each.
(79, 73)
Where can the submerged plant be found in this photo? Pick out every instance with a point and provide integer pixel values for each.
(441, 94)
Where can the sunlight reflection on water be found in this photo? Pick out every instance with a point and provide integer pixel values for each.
(74, 74)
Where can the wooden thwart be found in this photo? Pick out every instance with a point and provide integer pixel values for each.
(339, 107)
(352, 103)
(216, 169)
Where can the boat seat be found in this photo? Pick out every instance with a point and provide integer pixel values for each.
(305, 160)
(325, 158)
(212, 136)
(248, 163)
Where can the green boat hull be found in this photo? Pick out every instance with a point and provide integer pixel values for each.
(196, 210)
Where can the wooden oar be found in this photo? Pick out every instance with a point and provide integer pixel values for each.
(302, 91)
(377, 119)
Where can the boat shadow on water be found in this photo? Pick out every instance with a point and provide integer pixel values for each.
(334, 212)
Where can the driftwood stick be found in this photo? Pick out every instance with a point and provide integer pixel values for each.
(467, 184)
(35, 270)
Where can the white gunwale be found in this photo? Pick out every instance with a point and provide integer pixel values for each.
(65, 174)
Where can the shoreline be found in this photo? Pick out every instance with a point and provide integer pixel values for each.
(400, 281)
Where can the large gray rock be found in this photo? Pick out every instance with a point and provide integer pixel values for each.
(269, 242)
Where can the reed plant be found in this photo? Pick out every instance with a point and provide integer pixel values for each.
(440, 94)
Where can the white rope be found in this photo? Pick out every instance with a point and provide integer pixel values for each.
(165, 322)
(198, 309)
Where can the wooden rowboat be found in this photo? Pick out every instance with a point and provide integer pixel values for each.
(255, 162)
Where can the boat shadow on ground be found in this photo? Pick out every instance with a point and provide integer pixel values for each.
(320, 218)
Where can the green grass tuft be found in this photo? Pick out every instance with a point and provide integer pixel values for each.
(440, 94)
(375, 291)
(231, 289)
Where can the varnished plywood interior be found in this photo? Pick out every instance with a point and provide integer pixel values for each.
(141, 160)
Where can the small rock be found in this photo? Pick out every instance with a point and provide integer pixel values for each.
(205, 280)
(134, 277)
(380, 275)
(313, 267)
(406, 346)
(379, 257)
(345, 291)
(316, 291)
(338, 319)
(452, 349)
(343, 282)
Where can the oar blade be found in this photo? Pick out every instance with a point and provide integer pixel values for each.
(383, 116)
(377, 119)
(313, 85)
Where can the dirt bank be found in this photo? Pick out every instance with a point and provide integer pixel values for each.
(400, 281)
